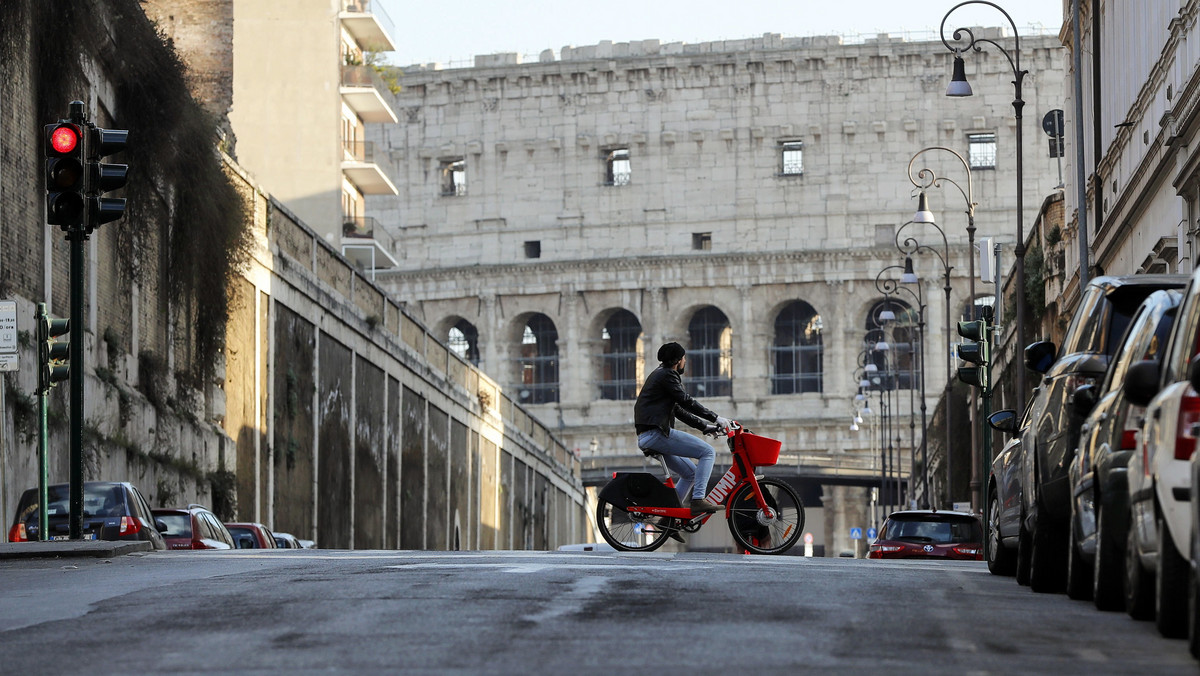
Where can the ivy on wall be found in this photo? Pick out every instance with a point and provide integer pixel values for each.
(182, 208)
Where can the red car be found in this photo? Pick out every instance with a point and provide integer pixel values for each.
(929, 534)
(251, 536)
(193, 528)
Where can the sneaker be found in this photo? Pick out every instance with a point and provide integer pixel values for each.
(703, 505)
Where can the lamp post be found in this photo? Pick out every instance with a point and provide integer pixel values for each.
(871, 375)
(924, 179)
(960, 87)
(890, 287)
(887, 380)
(910, 246)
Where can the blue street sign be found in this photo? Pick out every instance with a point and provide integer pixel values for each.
(855, 533)
(871, 533)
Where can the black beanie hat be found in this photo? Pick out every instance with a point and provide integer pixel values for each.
(671, 353)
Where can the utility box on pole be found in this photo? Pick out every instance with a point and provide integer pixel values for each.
(987, 271)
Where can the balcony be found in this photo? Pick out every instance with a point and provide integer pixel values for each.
(368, 24)
(359, 167)
(362, 89)
(367, 244)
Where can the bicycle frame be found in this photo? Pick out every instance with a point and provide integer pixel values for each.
(740, 472)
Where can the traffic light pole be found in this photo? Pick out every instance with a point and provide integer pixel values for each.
(77, 239)
(43, 433)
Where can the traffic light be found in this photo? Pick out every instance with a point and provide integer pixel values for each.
(103, 177)
(53, 355)
(65, 203)
(977, 352)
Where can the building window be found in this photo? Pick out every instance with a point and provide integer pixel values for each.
(533, 249)
(454, 177)
(981, 150)
(537, 365)
(463, 340)
(791, 156)
(710, 354)
(898, 365)
(617, 170)
(702, 241)
(797, 354)
(620, 339)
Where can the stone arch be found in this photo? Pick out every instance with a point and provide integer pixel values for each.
(710, 353)
(616, 342)
(533, 359)
(461, 336)
(797, 349)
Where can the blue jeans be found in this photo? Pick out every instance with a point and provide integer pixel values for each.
(693, 479)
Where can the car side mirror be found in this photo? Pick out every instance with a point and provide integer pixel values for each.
(1141, 382)
(1039, 356)
(245, 542)
(1194, 373)
(161, 526)
(1084, 400)
(1004, 421)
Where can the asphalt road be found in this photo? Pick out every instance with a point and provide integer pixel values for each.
(550, 613)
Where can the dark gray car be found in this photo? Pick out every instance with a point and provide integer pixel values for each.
(1100, 494)
(1105, 310)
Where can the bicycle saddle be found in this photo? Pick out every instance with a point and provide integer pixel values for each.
(650, 453)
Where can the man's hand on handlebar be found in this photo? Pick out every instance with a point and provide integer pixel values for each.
(713, 430)
(724, 424)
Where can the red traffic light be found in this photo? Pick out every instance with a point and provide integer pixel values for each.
(64, 139)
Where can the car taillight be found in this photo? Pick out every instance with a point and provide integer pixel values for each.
(17, 533)
(968, 551)
(130, 525)
(198, 544)
(887, 548)
(1185, 431)
(1129, 440)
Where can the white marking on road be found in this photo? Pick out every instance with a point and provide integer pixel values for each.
(526, 568)
(1091, 655)
(572, 601)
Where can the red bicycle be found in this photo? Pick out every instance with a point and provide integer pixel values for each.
(638, 511)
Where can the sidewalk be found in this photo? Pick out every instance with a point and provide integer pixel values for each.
(100, 549)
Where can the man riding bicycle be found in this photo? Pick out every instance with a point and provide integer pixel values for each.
(660, 402)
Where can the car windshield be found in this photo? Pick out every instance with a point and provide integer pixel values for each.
(933, 529)
(178, 525)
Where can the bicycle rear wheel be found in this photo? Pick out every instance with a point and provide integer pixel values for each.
(754, 530)
(631, 532)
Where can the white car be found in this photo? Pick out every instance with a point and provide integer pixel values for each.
(1160, 522)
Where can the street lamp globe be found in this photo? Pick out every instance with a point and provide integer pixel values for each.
(910, 275)
(958, 80)
(923, 215)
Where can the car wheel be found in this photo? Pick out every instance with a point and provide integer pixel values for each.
(1139, 583)
(1024, 550)
(1047, 565)
(1169, 581)
(1079, 573)
(1001, 560)
(1108, 566)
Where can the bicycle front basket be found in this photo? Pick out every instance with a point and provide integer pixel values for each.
(760, 451)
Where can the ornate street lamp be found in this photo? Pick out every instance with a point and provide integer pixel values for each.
(890, 287)
(960, 87)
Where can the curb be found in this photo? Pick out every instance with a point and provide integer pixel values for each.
(98, 549)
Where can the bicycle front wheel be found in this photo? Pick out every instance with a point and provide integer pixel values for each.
(628, 532)
(762, 533)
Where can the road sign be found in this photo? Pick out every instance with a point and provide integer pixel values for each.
(8, 326)
(855, 533)
(808, 539)
(872, 533)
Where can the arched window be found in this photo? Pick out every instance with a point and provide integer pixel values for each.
(797, 353)
(538, 363)
(619, 338)
(463, 340)
(710, 354)
(899, 364)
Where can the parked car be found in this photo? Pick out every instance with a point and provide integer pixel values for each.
(1160, 525)
(1004, 496)
(929, 534)
(112, 510)
(251, 535)
(1100, 494)
(287, 541)
(193, 527)
(1105, 309)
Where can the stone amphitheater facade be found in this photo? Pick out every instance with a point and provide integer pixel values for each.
(664, 179)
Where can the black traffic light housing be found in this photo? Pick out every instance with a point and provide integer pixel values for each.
(105, 177)
(53, 355)
(65, 176)
(977, 351)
